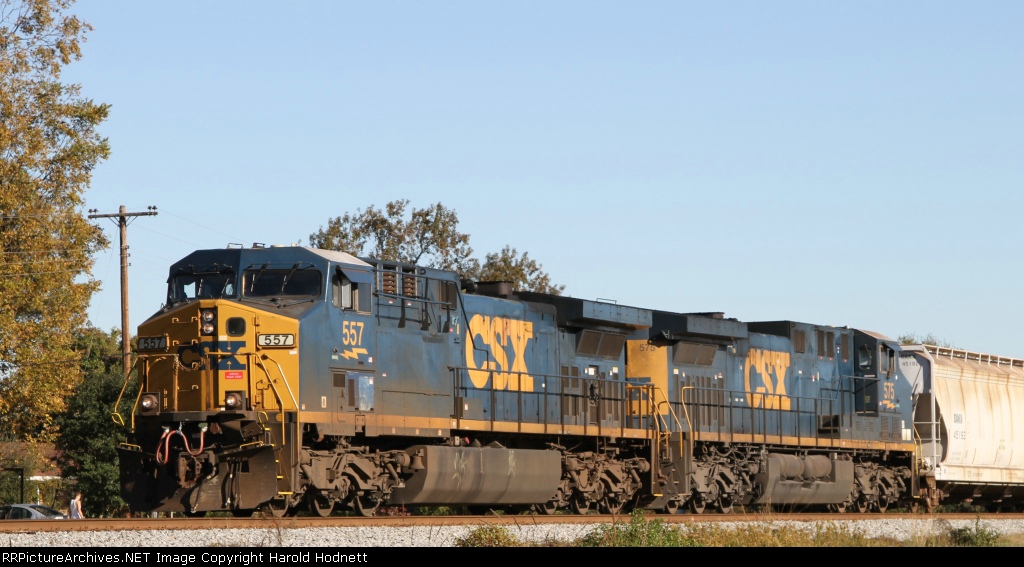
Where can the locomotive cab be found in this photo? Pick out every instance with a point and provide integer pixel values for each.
(218, 367)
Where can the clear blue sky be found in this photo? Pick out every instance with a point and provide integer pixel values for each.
(837, 163)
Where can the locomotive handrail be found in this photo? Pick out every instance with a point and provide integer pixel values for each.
(417, 298)
(280, 401)
(116, 415)
(141, 357)
(686, 414)
(284, 379)
(672, 413)
(619, 398)
(757, 417)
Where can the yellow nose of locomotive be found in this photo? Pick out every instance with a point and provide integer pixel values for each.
(216, 355)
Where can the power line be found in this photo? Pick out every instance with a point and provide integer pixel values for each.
(37, 251)
(50, 363)
(201, 226)
(46, 261)
(43, 273)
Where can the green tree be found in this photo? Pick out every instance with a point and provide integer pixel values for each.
(88, 435)
(24, 455)
(48, 148)
(524, 272)
(428, 237)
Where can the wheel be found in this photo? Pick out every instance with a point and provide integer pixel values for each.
(275, 508)
(723, 505)
(320, 505)
(838, 508)
(190, 514)
(882, 505)
(551, 506)
(611, 505)
(672, 507)
(697, 505)
(915, 507)
(580, 505)
(366, 505)
(548, 508)
(861, 506)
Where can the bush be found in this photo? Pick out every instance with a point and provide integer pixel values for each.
(977, 536)
(639, 532)
(489, 536)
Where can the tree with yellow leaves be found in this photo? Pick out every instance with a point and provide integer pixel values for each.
(49, 146)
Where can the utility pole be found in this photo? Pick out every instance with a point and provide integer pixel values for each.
(122, 221)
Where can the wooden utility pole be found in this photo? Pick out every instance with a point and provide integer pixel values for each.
(122, 221)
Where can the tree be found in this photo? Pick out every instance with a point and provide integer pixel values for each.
(429, 237)
(48, 148)
(929, 339)
(523, 272)
(87, 442)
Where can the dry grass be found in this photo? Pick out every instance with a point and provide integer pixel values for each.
(643, 531)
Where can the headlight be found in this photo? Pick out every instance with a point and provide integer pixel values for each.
(208, 317)
(234, 400)
(149, 403)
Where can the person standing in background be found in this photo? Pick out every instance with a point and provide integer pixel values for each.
(76, 507)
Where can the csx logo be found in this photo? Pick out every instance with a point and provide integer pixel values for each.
(504, 340)
(764, 378)
(194, 355)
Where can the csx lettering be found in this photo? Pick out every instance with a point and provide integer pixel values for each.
(764, 377)
(194, 355)
(503, 339)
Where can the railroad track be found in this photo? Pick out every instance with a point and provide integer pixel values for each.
(145, 524)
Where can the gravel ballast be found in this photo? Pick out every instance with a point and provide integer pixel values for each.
(436, 536)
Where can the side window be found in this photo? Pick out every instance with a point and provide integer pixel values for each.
(864, 358)
(883, 360)
(341, 291)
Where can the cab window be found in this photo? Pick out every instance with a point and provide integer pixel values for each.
(349, 295)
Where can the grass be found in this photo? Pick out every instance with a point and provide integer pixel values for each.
(641, 531)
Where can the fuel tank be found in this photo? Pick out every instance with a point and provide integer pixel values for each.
(479, 475)
(814, 479)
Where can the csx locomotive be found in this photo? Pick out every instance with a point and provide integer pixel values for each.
(284, 378)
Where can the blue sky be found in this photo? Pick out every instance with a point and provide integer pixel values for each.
(850, 164)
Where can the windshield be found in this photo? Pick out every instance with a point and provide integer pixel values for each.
(202, 284)
(291, 282)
